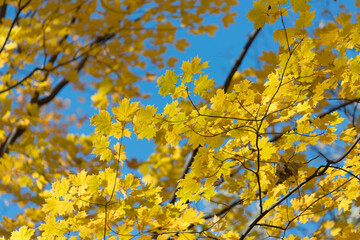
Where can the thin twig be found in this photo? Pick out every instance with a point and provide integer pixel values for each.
(346, 153)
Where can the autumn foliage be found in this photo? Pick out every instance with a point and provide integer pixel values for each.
(271, 153)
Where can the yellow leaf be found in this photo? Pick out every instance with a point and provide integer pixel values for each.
(194, 66)
(231, 235)
(172, 61)
(182, 44)
(61, 187)
(118, 130)
(54, 206)
(228, 19)
(345, 204)
(203, 85)
(101, 148)
(144, 123)
(120, 153)
(258, 14)
(180, 92)
(126, 110)
(188, 190)
(167, 83)
(348, 135)
(305, 19)
(267, 148)
(300, 5)
(102, 122)
(171, 109)
(24, 233)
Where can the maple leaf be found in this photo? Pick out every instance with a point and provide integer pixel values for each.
(188, 190)
(194, 66)
(300, 5)
(258, 14)
(305, 19)
(24, 233)
(118, 130)
(126, 110)
(228, 19)
(182, 44)
(167, 83)
(144, 123)
(102, 122)
(284, 170)
(203, 85)
(54, 206)
(345, 204)
(101, 148)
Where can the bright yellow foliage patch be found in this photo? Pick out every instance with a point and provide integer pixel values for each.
(274, 149)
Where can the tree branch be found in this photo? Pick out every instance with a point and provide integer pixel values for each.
(264, 213)
(240, 58)
(220, 212)
(21, 81)
(186, 169)
(3, 10)
(317, 173)
(339, 159)
(224, 210)
(274, 139)
(13, 22)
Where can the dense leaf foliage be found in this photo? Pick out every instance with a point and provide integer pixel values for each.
(274, 151)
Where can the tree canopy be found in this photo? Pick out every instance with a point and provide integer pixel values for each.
(271, 152)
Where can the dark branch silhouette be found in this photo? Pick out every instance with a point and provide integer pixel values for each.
(240, 59)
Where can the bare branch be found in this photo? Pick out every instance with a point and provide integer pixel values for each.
(240, 58)
(3, 10)
(21, 81)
